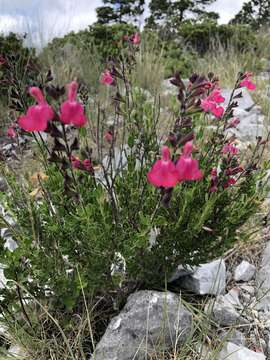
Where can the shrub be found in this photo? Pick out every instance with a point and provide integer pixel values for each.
(207, 35)
(97, 222)
(18, 70)
(106, 39)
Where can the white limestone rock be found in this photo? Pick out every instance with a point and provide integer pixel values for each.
(208, 278)
(232, 351)
(244, 271)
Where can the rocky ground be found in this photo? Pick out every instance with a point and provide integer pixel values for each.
(236, 300)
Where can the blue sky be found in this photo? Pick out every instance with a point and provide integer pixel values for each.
(45, 19)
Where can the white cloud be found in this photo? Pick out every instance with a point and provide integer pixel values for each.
(227, 9)
(45, 19)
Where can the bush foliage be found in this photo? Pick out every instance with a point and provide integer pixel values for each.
(205, 36)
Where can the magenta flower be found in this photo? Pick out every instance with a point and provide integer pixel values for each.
(2, 60)
(229, 149)
(216, 97)
(230, 182)
(136, 39)
(107, 78)
(213, 174)
(88, 165)
(213, 189)
(210, 103)
(75, 162)
(11, 133)
(71, 111)
(163, 172)
(214, 180)
(187, 167)
(108, 136)
(247, 82)
(37, 116)
(218, 111)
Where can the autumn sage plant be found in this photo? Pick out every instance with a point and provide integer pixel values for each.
(119, 202)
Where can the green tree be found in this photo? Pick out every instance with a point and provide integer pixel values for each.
(171, 14)
(120, 11)
(18, 69)
(255, 13)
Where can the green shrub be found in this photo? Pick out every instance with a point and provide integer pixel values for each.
(205, 36)
(85, 229)
(106, 39)
(18, 70)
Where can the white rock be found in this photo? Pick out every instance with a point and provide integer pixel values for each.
(10, 244)
(233, 297)
(17, 352)
(208, 278)
(244, 102)
(232, 351)
(234, 336)
(244, 271)
(148, 318)
(248, 289)
(252, 121)
(180, 272)
(251, 125)
(263, 281)
(223, 312)
(170, 89)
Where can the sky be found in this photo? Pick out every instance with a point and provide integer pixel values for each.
(45, 19)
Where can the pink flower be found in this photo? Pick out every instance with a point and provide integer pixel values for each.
(213, 174)
(88, 165)
(163, 172)
(136, 39)
(71, 111)
(188, 168)
(207, 85)
(106, 78)
(216, 97)
(11, 131)
(2, 60)
(229, 149)
(75, 162)
(218, 111)
(229, 182)
(37, 116)
(247, 82)
(214, 180)
(108, 136)
(209, 104)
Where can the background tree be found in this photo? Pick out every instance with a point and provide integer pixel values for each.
(120, 11)
(171, 14)
(255, 13)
